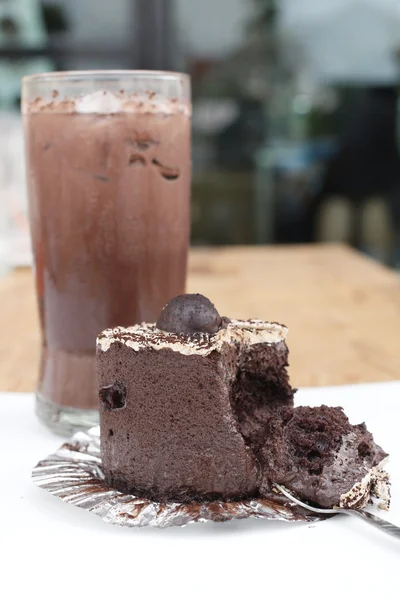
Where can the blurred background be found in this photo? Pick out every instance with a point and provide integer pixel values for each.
(296, 122)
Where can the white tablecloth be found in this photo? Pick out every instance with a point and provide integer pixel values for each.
(54, 550)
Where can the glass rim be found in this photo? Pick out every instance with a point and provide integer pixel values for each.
(105, 74)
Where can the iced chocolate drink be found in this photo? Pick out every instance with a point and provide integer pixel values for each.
(109, 177)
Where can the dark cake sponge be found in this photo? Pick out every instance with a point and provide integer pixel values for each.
(176, 437)
(319, 455)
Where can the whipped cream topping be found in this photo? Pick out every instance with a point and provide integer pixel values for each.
(146, 335)
(104, 102)
(375, 484)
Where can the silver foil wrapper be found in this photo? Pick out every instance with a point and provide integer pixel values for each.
(74, 474)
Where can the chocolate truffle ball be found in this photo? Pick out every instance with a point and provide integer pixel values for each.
(189, 314)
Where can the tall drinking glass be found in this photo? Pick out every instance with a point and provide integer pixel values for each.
(108, 168)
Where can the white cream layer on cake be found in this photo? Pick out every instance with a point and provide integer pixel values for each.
(146, 335)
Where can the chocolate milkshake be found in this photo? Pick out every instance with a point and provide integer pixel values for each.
(109, 179)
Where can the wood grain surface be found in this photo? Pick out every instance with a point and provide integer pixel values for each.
(342, 310)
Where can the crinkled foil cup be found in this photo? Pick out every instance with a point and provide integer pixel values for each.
(74, 474)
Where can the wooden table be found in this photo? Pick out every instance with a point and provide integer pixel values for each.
(342, 310)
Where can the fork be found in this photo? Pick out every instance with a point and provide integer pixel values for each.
(377, 522)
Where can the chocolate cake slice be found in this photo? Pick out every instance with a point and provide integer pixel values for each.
(199, 407)
(321, 457)
(184, 404)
